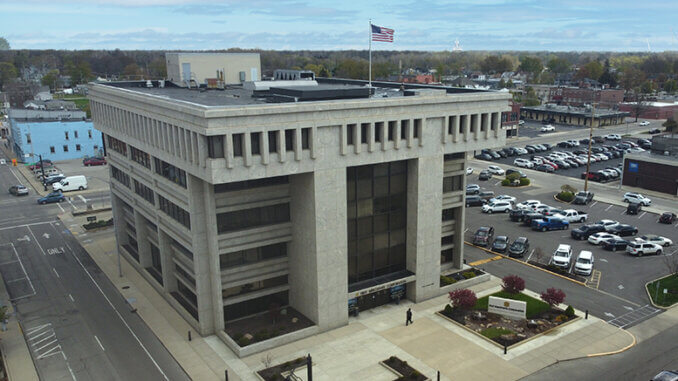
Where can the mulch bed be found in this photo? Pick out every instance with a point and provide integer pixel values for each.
(405, 370)
(459, 276)
(274, 373)
(261, 327)
(555, 269)
(521, 329)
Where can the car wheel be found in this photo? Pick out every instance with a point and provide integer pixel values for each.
(62, 200)
(543, 229)
(614, 248)
(566, 227)
(581, 220)
(80, 188)
(640, 254)
(506, 210)
(489, 211)
(42, 203)
(659, 252)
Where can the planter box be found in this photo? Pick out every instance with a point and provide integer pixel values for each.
(267, 344)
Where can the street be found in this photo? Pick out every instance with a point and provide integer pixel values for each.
(76, 324)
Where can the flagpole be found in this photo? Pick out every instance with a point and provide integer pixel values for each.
(370, 37)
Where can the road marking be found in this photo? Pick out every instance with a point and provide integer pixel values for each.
(608, 208)
(15, 280)
(60, 207)
(629, 308)
(73, 205)
(24, 238)
(57, 274)
(36, 240)
(497, 183)
(602, 259)
(623, 212)
(97, 339)
(25, 273)
(592, 205)
(45, 235)
(609, 314)
(71, 298)
(631, 317)
(118, 313)
(85, 201)
(594, 280)
(530, 256)
(34, 329)
(641, 216)
(621, 287)
(44, 338)
(483, 261)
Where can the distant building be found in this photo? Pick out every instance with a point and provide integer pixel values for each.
(656, 171)
(510, 119)
(651, 110)
(43, 94)
(572, 115)
(195, 69)
(56, 135)
(577, 96)
(419, 78)
(53, 104)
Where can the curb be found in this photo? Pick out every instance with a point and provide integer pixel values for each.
(617, 351)
(652, 300)
(526, 264)
(561, 201)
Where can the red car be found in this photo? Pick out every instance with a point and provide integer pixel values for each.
(46, 163)
(88, 162)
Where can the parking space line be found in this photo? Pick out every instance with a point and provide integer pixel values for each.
(36, 240)
(15, 280)
(594, 280)
(530, 256)
(25, 273)
(608, 208)
(97, 339)
(623, 212)
(8, 262)
(594, 204)
(60, 207)
(641, 216)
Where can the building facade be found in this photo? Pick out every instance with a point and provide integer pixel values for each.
(195, 69)
(56, 135)
(650, 110)
(573, 116)
(227, 204)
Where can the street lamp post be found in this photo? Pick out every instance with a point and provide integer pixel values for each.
(588, 158)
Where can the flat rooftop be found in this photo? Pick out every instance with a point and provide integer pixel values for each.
(282, 92)
(577, 111)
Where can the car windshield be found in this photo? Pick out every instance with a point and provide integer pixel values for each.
(500, 240)
(481, 233)
(585, 261)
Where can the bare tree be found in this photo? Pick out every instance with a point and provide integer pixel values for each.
(671, 263)
(267, 360)
(640, 105)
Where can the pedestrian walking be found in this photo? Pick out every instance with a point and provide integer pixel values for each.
(409, 317)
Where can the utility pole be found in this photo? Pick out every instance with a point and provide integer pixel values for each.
(588, 158)
(42, 168)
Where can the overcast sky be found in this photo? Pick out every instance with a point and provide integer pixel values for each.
(563, 25)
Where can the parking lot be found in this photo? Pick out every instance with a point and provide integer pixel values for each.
(615, 273)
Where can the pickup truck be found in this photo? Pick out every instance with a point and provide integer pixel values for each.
(562, 255)
(571, 215)
(550, 223)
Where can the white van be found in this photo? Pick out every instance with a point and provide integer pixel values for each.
(584, 264)
(71, 183)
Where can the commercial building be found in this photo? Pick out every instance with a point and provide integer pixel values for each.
(315, 198)
(650, 110)
(573, 116)
(56, 135)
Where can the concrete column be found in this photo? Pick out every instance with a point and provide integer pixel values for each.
(383, 136)
(263, 143)
(282, 150)
(297, 144)
(247, 149)
(446, 121)
(311, 141)
(212, 239)
(118, 213)
(142, 240)
(496, 123)
(202, 150)
(424, 220)
(318, 257)
(487, 123)
(396, 135)
(228, 150)
(169, 283)
(357, 138)
(344, 140)
(410, 133)
(371, 137)
(476, 126)
(467, 127)
(201, 253)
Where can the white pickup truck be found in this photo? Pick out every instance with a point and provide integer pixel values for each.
(571, 215)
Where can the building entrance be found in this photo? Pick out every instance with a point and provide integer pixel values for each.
(378, 298)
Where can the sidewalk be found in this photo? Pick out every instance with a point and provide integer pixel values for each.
(354, 351)
(15, 354)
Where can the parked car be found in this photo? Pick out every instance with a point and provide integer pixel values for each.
(548, 128)
(472, 189)
(550, 223)
(598, 139)
(45, 162)
(528, 204)
(634, 208)
(562, 256)
(615, 244)
(18, 190)
(483, 156)
(643, 248)
(598, 238)
(545, 168)
(584, 231)
(483, 236)
(531, 216)
(636, 197)
(512, 171)
(504, 197)
(52, 197)
(565, 145)
(486, 195)
(497, 207)
(666, 375)
(469, 170)
(583, 198)
(584, 263)
(484, 175)
(644, 123)
(519, 247)
(608, 224)
(493, 169)
(653, 238)
(47, 172)
(90, 161)
(500, 244)
(517, 214)
(594, 176)
(71, 183)
(623, 230)
(571, 215)
(49, 180)
(654, 131)
(612, 137)
(667, 218)
(475, 201)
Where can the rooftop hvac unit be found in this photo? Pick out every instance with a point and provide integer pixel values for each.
(149, 83)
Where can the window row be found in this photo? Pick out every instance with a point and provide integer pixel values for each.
(249, 184)
(170, 172)
(75, 134)
(383, 130)
(453, 183)
(117, 145)
(181, 249)
(475, 122)
(215, 144)
(174, 211)
(188, 277)
(119, 175)
(145, 192)
(78, 148)
(254, 286)
(140, 157)
(257, 254)
(251, 218)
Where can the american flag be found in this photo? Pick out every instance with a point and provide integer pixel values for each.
(382, 34)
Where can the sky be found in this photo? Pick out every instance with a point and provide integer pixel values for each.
(433, 25)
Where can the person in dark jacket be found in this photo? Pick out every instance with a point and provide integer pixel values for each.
(409, 317)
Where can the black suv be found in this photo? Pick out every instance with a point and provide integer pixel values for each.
(527, 218)
(584, 231)
(517, 214)
(483, 236)
(500, 244)
(475, 201)
(519, 247)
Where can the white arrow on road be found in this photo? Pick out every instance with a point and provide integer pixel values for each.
(629, 308)
(45, 235)
(24, 238)
(602, 259)
(609, 314)
(621, 287)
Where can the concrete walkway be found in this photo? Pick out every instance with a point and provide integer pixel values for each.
(15, 354)
(354, 351)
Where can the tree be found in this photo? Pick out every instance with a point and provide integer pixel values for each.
(553, 296)
(608, 78)
(7, 73)
(50, 79)
(647, 87)
(670, 125)
(4, 45)
(463, 298)
(631, 78)
(531, 65)
(132, 71)
(80, 72)
(501, 84)
(640, 105)
(670, 86)
(671, 263)
(496, 64)
(591, 70)
(558, 65)
(157, 68)
(568, 188)
(513, 284)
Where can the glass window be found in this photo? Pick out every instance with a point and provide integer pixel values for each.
(65, 148)
(215, 146)
(378, 128)
(248, 184)
(51, 149)
(237, 145)
(254, 143)
(364, 127)
(289, 140)
(66, 135)
(392, 129)
(170, 172)
(75, 134)
(89, 134)
(251, 218)
(77, 147)
(273, 141)
(305, 138)
(350, 133)
(28, 139)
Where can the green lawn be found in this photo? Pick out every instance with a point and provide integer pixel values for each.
(494, 332)
(671, 283)
(534, 306)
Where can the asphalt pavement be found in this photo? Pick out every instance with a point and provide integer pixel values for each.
(76, 324)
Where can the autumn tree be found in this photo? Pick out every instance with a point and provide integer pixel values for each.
(157, 68)
(531, 65)
(512, 284)
(553, 296)
(591, 70)
(50, 79)
(559, 65)
(132, 71)
(463, 298)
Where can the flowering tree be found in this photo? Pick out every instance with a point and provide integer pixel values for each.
(553, 296)
(463, 298)
(513, 284)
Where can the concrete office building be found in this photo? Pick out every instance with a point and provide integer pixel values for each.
(315, 198)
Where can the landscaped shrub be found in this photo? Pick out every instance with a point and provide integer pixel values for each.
(513, 176)
(569, 311)
(553, 296)
(524, 181)
(565, 196)
(463, 298)
(446, 280)
(494, 332)
(506, 182)
(513, 284)
(261, 335)
(243, 341)
(448, 309)
(468, 274)
(561, 318)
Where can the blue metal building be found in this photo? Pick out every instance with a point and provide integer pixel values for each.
(64, 139)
